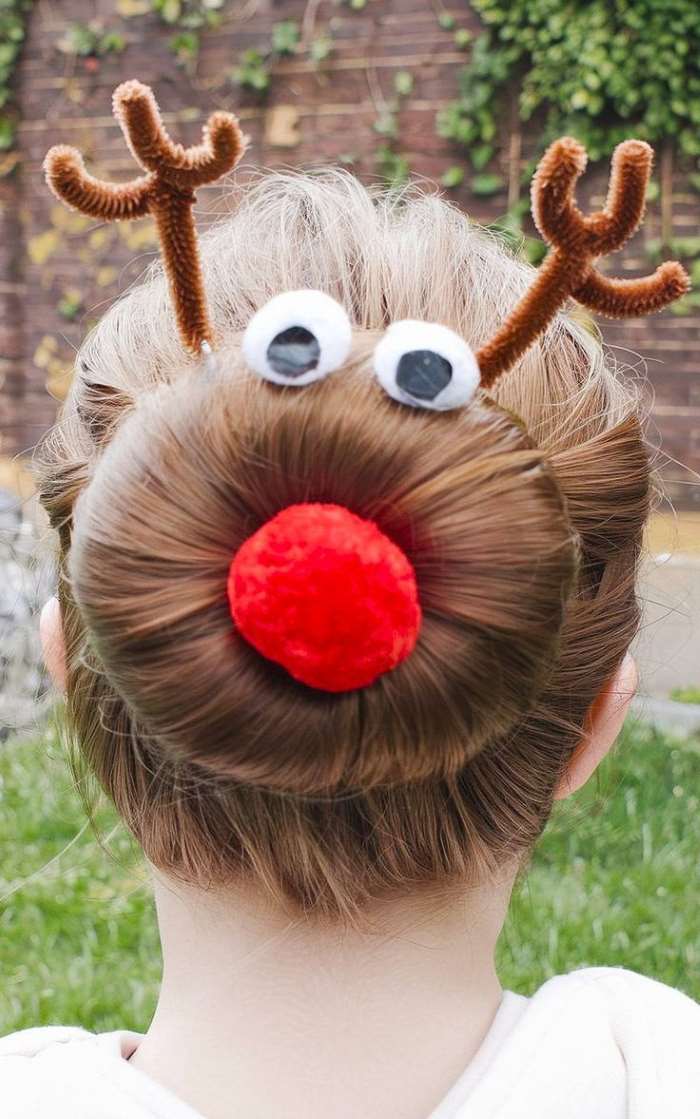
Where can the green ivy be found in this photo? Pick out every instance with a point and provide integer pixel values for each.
(597, 69)
(393, 167)
(391, 164)
(252, 72)
(321, 49)
(185, 47)
(463, 38)
(253, 69)
(70, 304)
(453, 177)
(285, 37)
(387, 125)
(90, 40)
(403, 83)
(486, 184)
(190, 15)
(13, 19)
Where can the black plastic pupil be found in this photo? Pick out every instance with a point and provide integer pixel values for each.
(293, 351)
(423, 374)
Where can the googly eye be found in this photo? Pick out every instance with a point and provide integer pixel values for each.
(297, 338)
(426, 365)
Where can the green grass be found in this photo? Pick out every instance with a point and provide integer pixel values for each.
(615, 880)
(686, 695)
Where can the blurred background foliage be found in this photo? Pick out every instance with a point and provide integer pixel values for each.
(600, 71)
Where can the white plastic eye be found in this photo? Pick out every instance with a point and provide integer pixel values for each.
(426, 365)
(297, 338)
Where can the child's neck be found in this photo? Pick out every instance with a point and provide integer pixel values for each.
(262, 1016)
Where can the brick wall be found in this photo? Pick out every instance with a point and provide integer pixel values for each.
(312, 114)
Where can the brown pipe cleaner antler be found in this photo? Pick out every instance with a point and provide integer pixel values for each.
(576, 242)
(166, 191)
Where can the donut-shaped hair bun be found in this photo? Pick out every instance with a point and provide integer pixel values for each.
(397, 577)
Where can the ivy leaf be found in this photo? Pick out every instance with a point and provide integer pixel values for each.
(185, 45)
(15, 32)
(8, 53)
(387, 125)
(259, 80)
(79, 39)
(169, 10)
(453, 177)
(480, 155)
(70, 304)
(252, 72)
(285, 37)
(447, 21)
(486, 184)
(403, 82)
(321, 48)
(111, 43)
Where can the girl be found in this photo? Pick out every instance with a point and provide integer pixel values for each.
(343, 608)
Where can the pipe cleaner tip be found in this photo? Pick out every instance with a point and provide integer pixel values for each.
(675, 278)
(637, 151)
(60, 157)
(132, 90)
(565, 159)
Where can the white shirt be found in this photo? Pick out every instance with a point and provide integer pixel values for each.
(601, 1043)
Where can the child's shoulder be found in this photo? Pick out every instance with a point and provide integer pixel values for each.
(599, 1042)
(69, 1073)
(623, 982)
(653, 1029)
(45, 1064)
(640, 1012)
(623, 992)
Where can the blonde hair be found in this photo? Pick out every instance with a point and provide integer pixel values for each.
(522, 516)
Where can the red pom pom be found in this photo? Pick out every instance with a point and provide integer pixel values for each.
(327, 595)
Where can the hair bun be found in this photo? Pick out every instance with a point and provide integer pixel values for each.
(198, 469)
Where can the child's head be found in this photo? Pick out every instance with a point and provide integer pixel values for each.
(522, 520)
